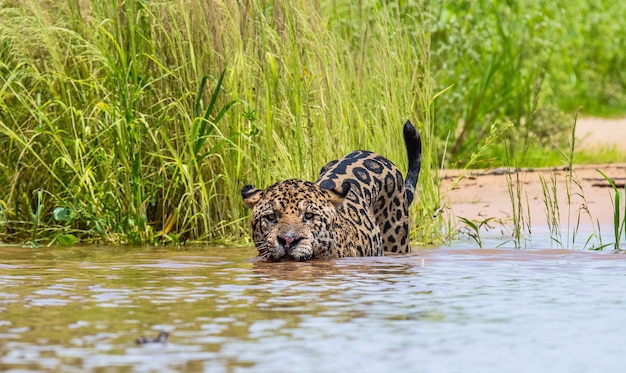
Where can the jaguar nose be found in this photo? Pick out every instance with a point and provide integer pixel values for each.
(288, 240)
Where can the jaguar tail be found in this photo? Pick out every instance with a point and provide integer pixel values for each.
(413, 143)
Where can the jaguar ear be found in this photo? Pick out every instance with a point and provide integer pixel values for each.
(251, 195)
(338, 194)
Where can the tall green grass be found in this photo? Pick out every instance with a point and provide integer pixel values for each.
(138, 122)
(619, 213)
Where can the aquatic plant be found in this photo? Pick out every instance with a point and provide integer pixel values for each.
(473, 227)
(619, 218)
(551, 205)
(495, 134)
(571, 180)
(521, 222)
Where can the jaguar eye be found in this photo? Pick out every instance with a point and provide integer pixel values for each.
(270, 217)
(309, 215)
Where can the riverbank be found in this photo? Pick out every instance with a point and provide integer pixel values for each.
(483, 194)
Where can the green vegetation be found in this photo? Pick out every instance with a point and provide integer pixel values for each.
(619, 219)
(531, 64)
(564, 233)
(473, 228)
(496, 54)
(139, 121)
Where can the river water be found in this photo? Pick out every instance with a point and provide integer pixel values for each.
(450, 309)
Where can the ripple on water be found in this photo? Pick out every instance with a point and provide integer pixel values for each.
(443, 310)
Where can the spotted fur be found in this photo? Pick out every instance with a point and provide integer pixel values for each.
(359, 206)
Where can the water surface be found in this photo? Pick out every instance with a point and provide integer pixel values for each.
(436, 310)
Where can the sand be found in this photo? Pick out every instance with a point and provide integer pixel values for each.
(482, 194)
(594, 132)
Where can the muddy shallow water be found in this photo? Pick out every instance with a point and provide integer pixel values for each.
(436, 310)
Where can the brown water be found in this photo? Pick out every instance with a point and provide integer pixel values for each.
(437, 310)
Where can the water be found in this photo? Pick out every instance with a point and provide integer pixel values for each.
(437, 310)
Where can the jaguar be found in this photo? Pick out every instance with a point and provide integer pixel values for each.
(359, 206)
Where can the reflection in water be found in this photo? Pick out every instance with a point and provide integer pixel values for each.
(439, 310)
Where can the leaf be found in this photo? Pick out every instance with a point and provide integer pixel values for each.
(624, 221)
(203, 126)
(617, 221)
(469, 223)
(66, 239)
(199, 131)
(62, 214)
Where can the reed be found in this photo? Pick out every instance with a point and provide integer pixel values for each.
(575, 201)
(619, 217)
(551, 204)
(138, 122)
